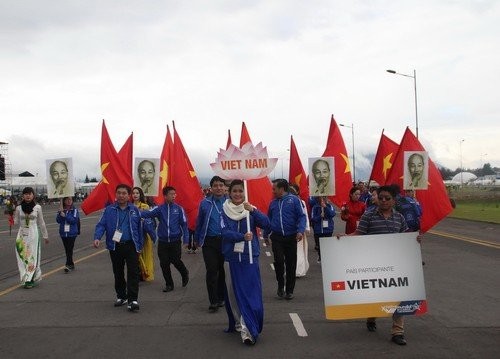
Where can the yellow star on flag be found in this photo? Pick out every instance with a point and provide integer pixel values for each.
(387, 164)
(103, 168)
(164, 173)
(347, 166)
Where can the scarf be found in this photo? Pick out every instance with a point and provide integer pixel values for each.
(27, 207)
(235, 212)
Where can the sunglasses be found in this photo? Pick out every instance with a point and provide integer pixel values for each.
(384, 198)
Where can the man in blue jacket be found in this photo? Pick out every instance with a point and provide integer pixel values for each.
(172, 232)
(288, 223)
(121, 222)
(208, 235)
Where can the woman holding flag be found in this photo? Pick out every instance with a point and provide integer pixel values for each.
(244, 304)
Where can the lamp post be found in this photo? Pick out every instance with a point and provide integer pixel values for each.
(414, 77)
(461, 165)
(353, 157)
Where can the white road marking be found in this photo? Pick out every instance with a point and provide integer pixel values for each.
(268, 253)
(297, 323)
(272, 265)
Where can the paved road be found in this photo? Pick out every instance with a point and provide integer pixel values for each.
(71, 315)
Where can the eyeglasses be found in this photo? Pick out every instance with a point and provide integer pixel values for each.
(384, 198)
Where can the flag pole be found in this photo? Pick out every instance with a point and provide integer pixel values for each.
(248, 223)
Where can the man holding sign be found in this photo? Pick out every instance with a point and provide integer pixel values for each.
(385, 220)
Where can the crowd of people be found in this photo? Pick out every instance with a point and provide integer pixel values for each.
(228, 229)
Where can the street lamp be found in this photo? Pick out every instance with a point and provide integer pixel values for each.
(461, 165)
(414, 77)
(353, 157)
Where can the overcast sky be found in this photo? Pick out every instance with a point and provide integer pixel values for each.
(283, 67)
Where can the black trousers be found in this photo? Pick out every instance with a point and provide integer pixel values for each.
(125, 253)
(170, 253)
(214, 264)
(69, 244)
(285, 260)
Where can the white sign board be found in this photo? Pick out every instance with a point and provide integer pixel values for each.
(372, 276)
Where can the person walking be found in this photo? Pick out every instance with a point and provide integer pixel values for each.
(287, 226)
(146, 258)
(208, 235)
(352, 210)
(383, 220)
(244, 305)
(172, 232)
(121, 222)
(29, 217)
(322, 214)
(68, 218)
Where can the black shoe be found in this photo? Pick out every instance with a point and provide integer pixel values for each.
(280, 293)
(185, 279)
(399, 339)
(119, 302)
(66, 269)
(213, 308)
(289, 296)
(168, 288)
(371, 326)
(133, 306)
(221, 304)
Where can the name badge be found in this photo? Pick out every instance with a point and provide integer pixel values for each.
(325, 224)
(239, 247)
(66, 227)
(117, 236)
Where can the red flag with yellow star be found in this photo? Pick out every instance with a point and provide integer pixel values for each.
(185, 181)
(165, 166)
(335, 147)
(116, 168)
(434, 200)
(386, 152)
(260, 191)
(296, 173)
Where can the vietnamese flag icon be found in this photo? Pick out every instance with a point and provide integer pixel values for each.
(338, 285)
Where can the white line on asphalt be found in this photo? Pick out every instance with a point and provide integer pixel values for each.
(272, 265)
(297, 323)
(268, 253)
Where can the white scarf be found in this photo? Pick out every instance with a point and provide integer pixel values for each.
(233, 211)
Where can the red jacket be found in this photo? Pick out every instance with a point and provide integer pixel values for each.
(351, 212)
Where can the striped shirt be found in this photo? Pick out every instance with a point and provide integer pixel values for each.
(374, 222)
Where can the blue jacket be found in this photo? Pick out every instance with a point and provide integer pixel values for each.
(172, 222)
(71, 218)
(286, 215)
(233, 231)
(317, 221)
(411, 210)
(204, 212)
(108, 223)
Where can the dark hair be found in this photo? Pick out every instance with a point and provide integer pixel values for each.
(396, 187)
(353, 190)
(318, 161)
(235, 183)
(125, 186)
(167, 189)
(216, 179)
(282, 183)
(387, 188)
(57, 162)
(142, 198)
(27, 190)
(294, 188)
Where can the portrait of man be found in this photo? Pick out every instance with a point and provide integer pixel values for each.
(146, 175)
(416, 170)
(60, 178)
(321, 176)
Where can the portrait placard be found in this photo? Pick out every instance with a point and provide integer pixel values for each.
(416, 170)
(146, 175)
(322, 176)
(60, 181)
